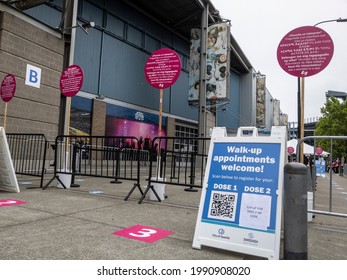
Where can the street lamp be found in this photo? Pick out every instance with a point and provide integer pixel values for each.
(84, 26)
(332, 20)
(337, 94)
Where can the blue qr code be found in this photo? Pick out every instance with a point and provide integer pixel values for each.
(222, 205)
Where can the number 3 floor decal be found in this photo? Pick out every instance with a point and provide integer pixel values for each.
(143, 233)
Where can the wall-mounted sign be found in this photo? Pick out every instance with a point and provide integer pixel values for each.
(71, 80)
(33, 76)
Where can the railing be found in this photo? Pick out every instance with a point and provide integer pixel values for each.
(330, 211)
(178, 161)
(28, 152)
(100, 156)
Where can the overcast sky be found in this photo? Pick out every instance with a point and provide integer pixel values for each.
(259, 26)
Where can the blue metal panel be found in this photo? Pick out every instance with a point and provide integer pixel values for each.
(113, 60)
(130, 114)
(123, 79)
(248, 99)
(91, 12)
(231, 117)
(115, 26)
(124, 11)
(184, 61)
(179, 99)
(82, 103)
(58, 3)
(135, 36)
(45, 14)
(181, 44)
(151, 44)
(123, 74)
(87, 55)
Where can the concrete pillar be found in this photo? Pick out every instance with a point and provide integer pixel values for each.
(98, 118)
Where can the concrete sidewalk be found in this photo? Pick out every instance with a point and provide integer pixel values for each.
(78, 224)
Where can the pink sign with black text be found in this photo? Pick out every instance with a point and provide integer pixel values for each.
(8, 88)
(305, 51)
(163, 68)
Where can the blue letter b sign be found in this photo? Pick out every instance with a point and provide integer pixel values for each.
(33, 76)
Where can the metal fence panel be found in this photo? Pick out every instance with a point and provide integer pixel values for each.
(118, 158)
(178, 161)
(329, 160)
(28, 152)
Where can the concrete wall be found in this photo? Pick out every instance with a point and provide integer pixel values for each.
(32, 110)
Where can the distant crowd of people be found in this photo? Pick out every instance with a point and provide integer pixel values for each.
(337, 164)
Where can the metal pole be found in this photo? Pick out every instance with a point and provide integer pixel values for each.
(69, 19)
(75, 151)
(203, 70)
(302, 114)
(331, 177)
(295, 211)
(299, 115)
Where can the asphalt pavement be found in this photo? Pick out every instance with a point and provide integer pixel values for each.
(86, 222)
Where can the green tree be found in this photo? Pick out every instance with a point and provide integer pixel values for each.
(333, 123)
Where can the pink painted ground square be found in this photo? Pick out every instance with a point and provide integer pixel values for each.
(144, 233)
(11, 202)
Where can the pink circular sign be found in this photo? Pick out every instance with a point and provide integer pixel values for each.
(319, 150)
(305, 51)
(290, 150)
(162, 68)
(8, 88)
(71, 80)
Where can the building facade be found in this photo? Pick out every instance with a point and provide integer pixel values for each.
(25, 46)
(115, 98)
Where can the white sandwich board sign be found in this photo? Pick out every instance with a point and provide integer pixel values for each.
(8, 178)
(241, 200)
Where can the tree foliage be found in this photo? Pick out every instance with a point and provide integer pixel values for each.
(333, 123)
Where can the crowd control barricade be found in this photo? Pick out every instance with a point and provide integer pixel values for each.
(178, 161)
(319, 162)
(97, 156)
(28, 152)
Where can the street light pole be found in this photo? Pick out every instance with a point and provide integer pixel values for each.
(301, 94)
(332, 20)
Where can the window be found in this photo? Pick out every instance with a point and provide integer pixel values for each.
(185, 145)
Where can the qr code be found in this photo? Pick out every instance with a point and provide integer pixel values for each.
(222, 206)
